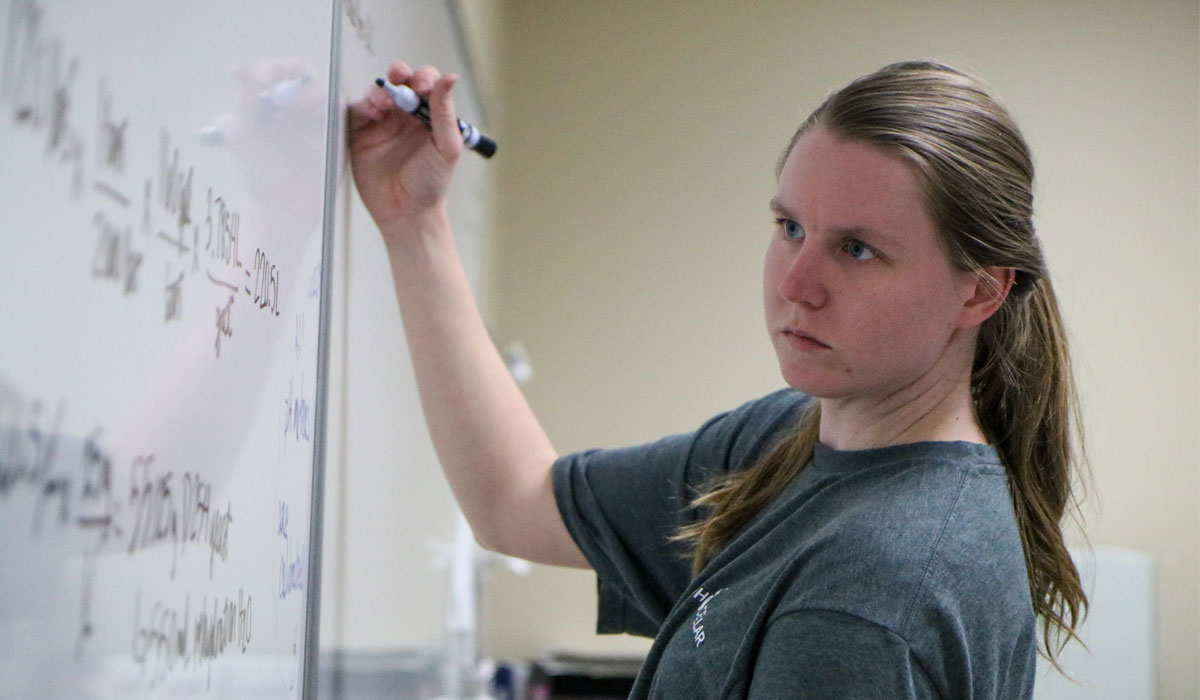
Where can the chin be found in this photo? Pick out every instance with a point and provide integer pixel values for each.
(818, 387)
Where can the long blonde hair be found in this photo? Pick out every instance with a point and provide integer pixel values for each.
(977, 175)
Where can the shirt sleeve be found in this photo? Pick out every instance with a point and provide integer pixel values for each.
(836, 656)
(623, 506)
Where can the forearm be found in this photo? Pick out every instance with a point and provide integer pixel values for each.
(494, 452)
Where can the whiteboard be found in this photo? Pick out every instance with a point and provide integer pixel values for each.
(388, 508)
(166, 170)
(389, 516)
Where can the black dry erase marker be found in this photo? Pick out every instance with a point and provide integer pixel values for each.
(410, 102)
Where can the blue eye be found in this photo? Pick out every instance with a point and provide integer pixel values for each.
(859, 250)
(791, 230)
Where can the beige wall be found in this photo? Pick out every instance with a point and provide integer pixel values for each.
(637, 146)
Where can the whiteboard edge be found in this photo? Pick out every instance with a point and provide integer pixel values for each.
(333, 156)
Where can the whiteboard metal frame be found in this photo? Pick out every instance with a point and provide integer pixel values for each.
(333, 159)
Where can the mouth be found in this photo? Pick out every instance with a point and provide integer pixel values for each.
(803, 341)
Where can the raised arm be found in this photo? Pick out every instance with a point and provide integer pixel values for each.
(494, 452)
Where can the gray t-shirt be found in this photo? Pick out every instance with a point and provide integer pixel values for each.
(887, 573)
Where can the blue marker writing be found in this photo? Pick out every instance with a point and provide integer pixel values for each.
(410, 102)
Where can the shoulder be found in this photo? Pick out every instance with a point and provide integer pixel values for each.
(737, 439)
(726, 442)
(926, 547)
(913, 529)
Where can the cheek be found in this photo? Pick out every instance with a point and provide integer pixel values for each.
(771, 273)
(917, 318)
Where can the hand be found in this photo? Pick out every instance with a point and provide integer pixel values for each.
(402, 168)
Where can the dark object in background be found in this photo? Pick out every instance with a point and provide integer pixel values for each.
(582, 677)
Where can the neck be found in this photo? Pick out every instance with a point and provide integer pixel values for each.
(940, 410)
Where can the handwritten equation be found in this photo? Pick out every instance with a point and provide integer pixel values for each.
(165, 243)
(166, 637)
(73, 484)
(138, 223)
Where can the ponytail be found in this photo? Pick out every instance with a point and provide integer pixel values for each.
(1026, 404)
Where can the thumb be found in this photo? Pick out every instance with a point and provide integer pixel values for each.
(443, 120)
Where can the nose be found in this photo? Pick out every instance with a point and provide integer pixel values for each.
(802, 275)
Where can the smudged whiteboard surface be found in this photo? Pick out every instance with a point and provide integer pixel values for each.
(163, 208)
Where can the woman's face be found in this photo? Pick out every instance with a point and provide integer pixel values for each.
(861, 299)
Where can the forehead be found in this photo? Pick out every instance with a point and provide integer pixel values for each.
(831, 181)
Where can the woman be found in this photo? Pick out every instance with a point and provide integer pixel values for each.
(893, 536)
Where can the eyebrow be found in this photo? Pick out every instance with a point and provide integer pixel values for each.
(778, 208)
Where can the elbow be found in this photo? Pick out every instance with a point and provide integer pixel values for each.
(487, 540)
(519, 516)
(490, 533)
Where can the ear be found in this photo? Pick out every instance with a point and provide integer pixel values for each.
(984, 296)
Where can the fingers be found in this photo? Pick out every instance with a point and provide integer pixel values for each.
(376, 104)
(428, 83)
(442, 117)
(362, 112)
(421, 79)
(399, 73)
